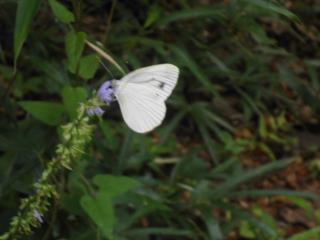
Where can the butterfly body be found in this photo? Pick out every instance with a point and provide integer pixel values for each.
(142, 93)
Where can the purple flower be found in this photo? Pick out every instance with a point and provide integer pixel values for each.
(105, 92)
(98, 111)
(37, 215)
(90, 112)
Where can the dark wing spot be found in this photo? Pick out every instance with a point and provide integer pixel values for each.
(161, 85)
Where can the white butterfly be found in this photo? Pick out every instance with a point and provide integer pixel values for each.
(142, 94)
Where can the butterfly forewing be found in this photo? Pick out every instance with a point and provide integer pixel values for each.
(162, 78)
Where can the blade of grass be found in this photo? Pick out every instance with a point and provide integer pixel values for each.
(249, 100)
(269, 6)
(190, 63)
(160, 231)
(212, 224)
(25, 14)
(207, 140)
(135, 41)
(273, 192)
(242, 215)
(222, 167)
(214, 13)
(217, 119)
(124, 152)
(249, 175)
(169, 128)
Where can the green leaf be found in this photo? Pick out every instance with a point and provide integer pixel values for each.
(7, 161)
(263, 132)
(149, 206)
(317, 216)
(109, 135)
(88, 66)
(47, 112)
(313, 233)
(100, 210)
(25, 13)
(61, 12)
(72, 97)
(246, 230)
(74, 44)
(84, 234)
(115, 185)
(153, 15)
(307, 206)
(265, 217)
(70, 200)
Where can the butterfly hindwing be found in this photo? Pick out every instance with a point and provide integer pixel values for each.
(140, 110)
(142, 93)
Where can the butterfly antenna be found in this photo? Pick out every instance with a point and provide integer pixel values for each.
(105, 67)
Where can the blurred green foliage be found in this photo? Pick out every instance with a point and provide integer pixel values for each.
(249, 83)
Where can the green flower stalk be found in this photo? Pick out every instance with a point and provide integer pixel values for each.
(74, 137)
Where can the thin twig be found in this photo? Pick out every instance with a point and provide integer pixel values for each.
(105, 55)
